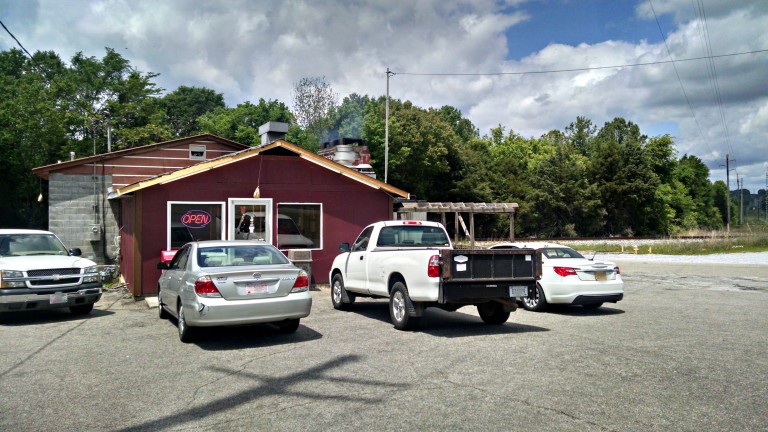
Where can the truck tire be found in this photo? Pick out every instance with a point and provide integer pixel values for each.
(81, 309)
(186, 333)
(492, 313)
(537, 303)
(399, 305)
(339, 294)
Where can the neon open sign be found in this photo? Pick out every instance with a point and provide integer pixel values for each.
(196, 219)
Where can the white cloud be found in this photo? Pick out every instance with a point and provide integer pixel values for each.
(250, 50)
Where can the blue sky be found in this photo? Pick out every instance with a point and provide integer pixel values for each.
(248, 50)
(584, 21)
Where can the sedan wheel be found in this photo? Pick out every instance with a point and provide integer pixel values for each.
(537, 303)
(288, 326)
(185, 332)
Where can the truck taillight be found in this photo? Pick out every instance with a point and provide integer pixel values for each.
(433, 267)
(302, 282)
(204, 287)
(565, 271)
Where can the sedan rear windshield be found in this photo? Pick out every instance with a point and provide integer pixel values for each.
(239, 255)
(560, 252)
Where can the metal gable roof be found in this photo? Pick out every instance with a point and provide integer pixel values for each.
(44, 171)
(280, 146)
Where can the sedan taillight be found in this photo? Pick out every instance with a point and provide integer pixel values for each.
(433, 267)
(204, 287)
(616, 269)
(565, 271)
(302, 283)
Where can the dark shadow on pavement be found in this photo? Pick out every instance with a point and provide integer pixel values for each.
(437, 322)
(268, 386)
(578, 311)
(36, 317)
(251, 336)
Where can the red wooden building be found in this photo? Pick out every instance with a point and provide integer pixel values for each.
(277, 193)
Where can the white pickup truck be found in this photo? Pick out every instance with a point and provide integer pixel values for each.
(413, 263)
(37, 272)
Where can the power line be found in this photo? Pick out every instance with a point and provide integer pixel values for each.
(14, 38)
(682, 87)
(709, 57)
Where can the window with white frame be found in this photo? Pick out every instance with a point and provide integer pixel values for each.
(192, 221)
(299, 226)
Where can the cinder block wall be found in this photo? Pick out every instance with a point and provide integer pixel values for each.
(73, 211)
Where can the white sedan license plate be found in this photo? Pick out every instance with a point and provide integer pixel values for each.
(600, 276)
(253, 288)
(518, 291)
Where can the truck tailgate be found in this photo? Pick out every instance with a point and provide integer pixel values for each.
(476, 274)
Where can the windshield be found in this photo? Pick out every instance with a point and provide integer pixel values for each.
(560, 252)
(239, 255)
(31, 244)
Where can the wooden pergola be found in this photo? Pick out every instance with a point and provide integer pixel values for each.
(448, 207)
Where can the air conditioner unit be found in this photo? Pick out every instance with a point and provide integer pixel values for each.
(299, 255)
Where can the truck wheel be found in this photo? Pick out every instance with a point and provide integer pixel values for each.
(537, 303)
(492, 313)
(338, 293)
(185, 332)
(81, 309)
(399, 305)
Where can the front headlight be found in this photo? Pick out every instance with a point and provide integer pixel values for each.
(7, 279)
(91, 274)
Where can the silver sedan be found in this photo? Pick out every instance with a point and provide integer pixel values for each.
(223, 283)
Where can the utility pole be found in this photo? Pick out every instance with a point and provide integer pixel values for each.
(741, 199)
(738, 219)
(386, 129)
(728, 194)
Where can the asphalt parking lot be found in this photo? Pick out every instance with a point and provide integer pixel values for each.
(684, 351)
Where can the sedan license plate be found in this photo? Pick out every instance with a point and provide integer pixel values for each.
(253, 288)
(518, 291)
(600, 276)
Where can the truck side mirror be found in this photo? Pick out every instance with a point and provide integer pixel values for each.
(75, 252)
(344, 247)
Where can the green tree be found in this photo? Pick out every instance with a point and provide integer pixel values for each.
(563, 201)
(242, 123)
(621, 171)
(185, 105)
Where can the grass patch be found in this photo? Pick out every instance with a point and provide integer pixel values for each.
(680, 246)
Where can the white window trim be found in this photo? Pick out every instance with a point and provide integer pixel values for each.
(197, 148)
(322, 219)
(168, 217)
(231, 225)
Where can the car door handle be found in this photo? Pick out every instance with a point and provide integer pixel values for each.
(361, 258)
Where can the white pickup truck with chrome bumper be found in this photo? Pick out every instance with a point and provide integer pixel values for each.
(38, 272)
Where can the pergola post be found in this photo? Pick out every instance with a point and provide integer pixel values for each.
(472, 230)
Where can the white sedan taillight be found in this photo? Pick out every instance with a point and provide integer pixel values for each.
(565, 271)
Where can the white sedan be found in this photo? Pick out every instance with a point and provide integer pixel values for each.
(225, 283)
(567, 277)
